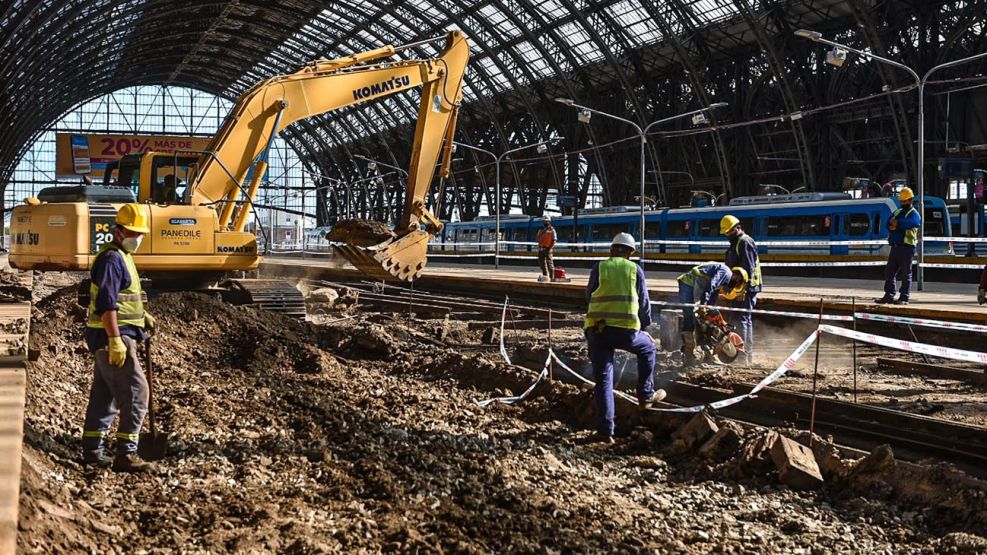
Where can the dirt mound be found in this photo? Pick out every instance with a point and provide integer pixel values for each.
(360, 233)
(362, 436)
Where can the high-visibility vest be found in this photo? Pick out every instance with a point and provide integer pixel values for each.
(546, 237)
(696, 276)
(754, 275)
(130, 305)
(911, 235)
(615, 301)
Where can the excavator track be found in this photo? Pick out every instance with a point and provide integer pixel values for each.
(274, 295)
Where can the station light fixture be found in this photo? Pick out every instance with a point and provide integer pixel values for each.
(699, 119)
(584, 116)
(807, 34)
(836, 57)
(542, 148)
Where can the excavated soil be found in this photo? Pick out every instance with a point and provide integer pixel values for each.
(360, 233)
(361, 435)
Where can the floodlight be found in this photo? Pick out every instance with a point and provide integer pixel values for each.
(566, 101)
(699, 119)
(542, 148)
(807, 34)
(836, 57)
(584, 116)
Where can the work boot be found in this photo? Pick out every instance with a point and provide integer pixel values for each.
(884, 300)
(129, 462)
(542, 278)
(95, 460)
(901, 301)
(595, 438)
(689, 348)
(657, 396)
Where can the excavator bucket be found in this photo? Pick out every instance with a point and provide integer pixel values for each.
(401, 259)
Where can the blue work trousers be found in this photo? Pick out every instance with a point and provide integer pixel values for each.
(689, 294)
(116, 391)
(899, 267)
(602, 345)
(745, 320)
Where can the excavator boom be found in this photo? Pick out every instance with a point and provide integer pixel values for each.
(237, 159)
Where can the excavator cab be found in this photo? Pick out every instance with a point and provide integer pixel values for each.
(167, 176)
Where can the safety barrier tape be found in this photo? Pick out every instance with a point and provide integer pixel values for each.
(953, 266)
(806, 315)
(923, 322)
(910, 346)
(957, 239)
(514, 399)
(503, 318)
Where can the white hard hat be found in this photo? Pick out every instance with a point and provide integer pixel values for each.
(624, 239)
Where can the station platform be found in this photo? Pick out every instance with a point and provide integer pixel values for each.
(945, 301)
(15, 321)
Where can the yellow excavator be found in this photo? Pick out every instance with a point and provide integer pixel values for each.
(199, 201)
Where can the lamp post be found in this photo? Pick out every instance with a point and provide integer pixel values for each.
(542, 147)
(836, 59)
(585, 113)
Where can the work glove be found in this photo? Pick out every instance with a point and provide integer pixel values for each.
(117, 351)
(149, 321)
(981, 296)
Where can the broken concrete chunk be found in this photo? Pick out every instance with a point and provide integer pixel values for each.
(693, 433)
(796, 464)
(723, 443)
(326, 295)
(881, 458)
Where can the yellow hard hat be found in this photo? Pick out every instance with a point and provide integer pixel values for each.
(743, 273)
(133, 217)
(727, 223)
(906, 194)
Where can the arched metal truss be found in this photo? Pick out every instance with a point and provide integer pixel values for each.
(640, 59)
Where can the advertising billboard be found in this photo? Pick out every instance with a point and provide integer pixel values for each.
(79, 154)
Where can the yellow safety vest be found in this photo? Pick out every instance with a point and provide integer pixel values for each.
(911, 235)
(754, 279)
(130, 304)
(689, 278)
(615, 302)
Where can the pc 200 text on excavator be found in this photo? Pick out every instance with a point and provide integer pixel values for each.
(199, 228)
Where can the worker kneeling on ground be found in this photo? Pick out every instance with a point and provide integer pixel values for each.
(546, 243)
(701, 286)
(903, 236)
(618, 308)
(742, 253)
(116, 324)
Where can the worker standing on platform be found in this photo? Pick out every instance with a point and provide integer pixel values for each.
(903, 236)
(619, 308)
(743, 253)
(701, 286)
(116, 324)
(546, 242)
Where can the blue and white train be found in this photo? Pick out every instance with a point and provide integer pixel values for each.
(810, 218)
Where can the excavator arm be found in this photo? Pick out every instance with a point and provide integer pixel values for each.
(237, 156)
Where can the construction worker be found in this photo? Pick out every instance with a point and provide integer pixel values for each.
(618, 308)
(742, 253)
(117, 322)
(903, 236)
(546, 242)
(701, 286)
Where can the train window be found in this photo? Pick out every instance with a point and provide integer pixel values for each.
(678, 228)
(652, 230)
(747, 224)
(877, 223)
(606, 232)
(709, 228)
(798, 226)
(856, 224)
(563, 233)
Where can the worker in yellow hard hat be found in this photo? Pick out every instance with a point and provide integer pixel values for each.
(117, 322)
(700, 286)
(742, 253)
(902, 236)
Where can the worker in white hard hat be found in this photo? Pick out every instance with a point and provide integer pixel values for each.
(546, 243)
(619, 308)
(742, 253)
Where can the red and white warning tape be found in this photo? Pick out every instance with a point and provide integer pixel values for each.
(806, 315)
(910, 346)
(962, 326)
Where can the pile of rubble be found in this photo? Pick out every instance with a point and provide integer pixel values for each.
(362, 434)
